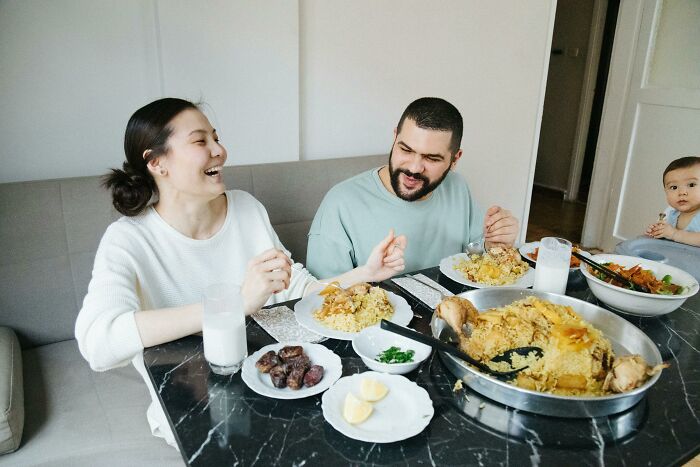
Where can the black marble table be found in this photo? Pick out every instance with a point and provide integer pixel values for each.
(220, 421)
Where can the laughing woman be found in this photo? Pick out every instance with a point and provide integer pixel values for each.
(181, 232)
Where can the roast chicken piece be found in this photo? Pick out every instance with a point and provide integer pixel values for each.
(360, 289)
(630, 372)
(457, 311)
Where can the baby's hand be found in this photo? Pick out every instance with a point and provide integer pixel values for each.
(661, 230)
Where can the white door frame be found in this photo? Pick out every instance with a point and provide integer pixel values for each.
(590, 73)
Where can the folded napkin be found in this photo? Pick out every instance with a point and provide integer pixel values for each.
(421, 291)
(281, 324)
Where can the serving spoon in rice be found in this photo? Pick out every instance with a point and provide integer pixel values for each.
(451, 336)
(445, 347)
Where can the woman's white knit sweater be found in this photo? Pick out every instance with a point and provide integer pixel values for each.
(143, 263)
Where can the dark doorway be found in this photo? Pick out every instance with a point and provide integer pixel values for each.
(550, 214)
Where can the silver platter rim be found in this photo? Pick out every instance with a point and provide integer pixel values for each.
(617, 329)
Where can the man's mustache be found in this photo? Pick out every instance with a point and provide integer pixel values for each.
(420, 177)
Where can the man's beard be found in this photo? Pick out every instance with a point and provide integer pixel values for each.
(424, 190)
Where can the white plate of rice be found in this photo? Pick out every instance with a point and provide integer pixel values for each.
(305, 308)
(447, 267)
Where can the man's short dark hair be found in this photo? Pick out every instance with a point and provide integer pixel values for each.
(433, 113)
(682, 163)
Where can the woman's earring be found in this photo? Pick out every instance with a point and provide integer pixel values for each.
(162, 171)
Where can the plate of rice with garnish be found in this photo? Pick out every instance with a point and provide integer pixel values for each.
(496, 267)
(341, 313)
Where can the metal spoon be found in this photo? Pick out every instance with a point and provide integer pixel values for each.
(440, 345)
(507, 356)
(475, 248)
(450, 336)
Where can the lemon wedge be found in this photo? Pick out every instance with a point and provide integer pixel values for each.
(372, 390)
(356, 410)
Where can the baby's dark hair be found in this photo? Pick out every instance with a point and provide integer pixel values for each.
(681, 163)
(149, 128)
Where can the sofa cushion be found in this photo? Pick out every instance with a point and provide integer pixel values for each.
(79, 417)
(11, 392)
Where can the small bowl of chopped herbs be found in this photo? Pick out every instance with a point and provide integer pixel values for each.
(388, 352)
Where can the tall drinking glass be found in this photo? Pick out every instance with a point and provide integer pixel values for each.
(552, 268)
(223, 328)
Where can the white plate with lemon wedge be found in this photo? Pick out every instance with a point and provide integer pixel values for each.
(377, 407)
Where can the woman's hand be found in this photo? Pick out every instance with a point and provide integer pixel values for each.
(500, 227)
(661, 230)
(386, 259)
(267, 274)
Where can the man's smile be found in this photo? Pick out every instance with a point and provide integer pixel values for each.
(410, 182)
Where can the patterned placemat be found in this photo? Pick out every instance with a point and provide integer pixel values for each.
(281, 324)
(421, 291)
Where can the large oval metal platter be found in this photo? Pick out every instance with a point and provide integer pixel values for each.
(625, 339)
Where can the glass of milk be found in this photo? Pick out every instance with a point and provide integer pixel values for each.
(223, 328)
(552, 268)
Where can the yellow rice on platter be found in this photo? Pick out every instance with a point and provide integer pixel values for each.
(354, 308)
(577, 359)
(497, 266)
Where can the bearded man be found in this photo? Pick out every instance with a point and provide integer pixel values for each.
(418, 194)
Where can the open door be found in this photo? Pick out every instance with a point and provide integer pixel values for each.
(651, 116)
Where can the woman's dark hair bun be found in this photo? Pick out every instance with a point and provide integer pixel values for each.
(148, 129)
(131, 190)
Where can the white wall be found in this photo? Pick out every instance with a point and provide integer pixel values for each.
(284, 80)
(73, 72)
(68, 84)
(242, 58)
(363, 61)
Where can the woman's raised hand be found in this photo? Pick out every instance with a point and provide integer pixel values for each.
(267, 274)
(386, 259)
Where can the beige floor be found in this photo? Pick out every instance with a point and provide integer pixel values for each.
(551, 216)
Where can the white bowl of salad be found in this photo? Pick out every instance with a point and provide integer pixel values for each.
(388, 352)
(669, 286)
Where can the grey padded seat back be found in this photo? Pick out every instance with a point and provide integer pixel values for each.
(50, 230)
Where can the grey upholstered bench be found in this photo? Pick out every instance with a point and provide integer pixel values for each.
(49, 231)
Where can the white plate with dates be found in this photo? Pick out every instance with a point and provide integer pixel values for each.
(404, 412)
(318, 354)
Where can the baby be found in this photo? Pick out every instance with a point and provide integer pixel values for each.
(681, 221)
